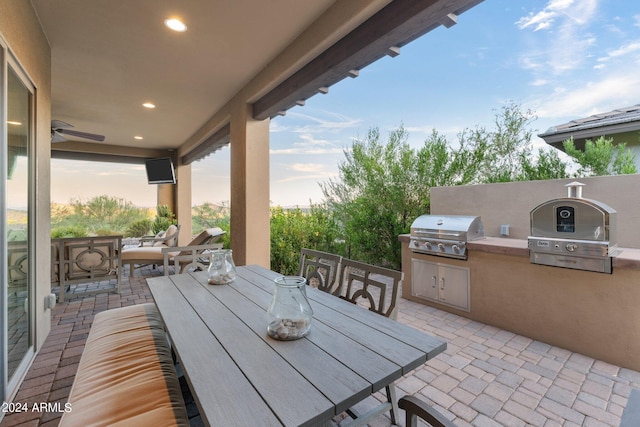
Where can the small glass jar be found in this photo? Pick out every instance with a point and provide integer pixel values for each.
(222, 270)
(289, 314)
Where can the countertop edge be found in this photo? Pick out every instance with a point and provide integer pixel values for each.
(627, 257)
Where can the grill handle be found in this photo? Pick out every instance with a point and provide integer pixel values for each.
(440, 233)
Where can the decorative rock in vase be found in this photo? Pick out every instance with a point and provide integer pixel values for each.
(290, 312)
(222, 270)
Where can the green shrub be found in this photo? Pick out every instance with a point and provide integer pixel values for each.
(105, 232)
(68, 231)
(139, 228)
(164, 218)
(293, 229)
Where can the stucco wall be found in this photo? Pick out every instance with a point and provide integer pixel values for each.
(20, 29)
(511, 203)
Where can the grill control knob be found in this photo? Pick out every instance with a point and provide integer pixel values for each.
(571, 247)
(441, 247)
(428, 245)
(456, 249)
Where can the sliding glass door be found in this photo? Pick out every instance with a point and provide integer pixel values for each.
(18, 321)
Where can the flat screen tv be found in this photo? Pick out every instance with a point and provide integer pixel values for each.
(160, 171)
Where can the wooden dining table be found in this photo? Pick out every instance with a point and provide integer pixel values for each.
(239, 376)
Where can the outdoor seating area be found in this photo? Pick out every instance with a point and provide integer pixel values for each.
(486, 376)
(167, 252)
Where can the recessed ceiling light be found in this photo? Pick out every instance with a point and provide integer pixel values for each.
(138, 137)
(149, 105)
(175, 24)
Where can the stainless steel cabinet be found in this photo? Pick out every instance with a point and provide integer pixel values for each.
(441, 283)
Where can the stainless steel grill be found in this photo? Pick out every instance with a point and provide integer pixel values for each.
(444, 235)
(573, 232)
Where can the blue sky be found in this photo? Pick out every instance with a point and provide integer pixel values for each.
(563, 59)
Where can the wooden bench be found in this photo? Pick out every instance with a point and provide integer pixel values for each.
(126, 374)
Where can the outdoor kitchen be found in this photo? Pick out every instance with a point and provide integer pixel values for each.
(557, 261)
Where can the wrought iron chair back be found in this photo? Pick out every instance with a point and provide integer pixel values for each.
(320, 269)
(416, 408)
(370, 285)
(377, 289)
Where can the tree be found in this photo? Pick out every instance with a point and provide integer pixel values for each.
(105, 214)
(601, 157)
(375, 196)
(208, 215)
(294, 229)
(547, 165)
(499, 152)
(164, 218)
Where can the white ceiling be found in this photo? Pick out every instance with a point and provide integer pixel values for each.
(110, 56)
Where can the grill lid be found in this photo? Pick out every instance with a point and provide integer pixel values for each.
(452, 227)
(444, 235)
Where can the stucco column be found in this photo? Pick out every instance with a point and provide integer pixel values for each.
(178, 197)
(249, 187)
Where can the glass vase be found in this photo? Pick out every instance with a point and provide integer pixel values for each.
(289, 314)
(222, 270)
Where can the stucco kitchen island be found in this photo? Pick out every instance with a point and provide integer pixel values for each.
(595, 314)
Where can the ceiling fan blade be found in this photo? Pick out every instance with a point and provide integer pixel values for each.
(59, 124)
(85, 135)
(57, 137)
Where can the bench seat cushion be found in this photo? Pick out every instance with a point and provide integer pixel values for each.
(126, 374)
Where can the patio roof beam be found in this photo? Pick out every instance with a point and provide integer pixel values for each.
(213, 143)
(75, 150)
(397, 24)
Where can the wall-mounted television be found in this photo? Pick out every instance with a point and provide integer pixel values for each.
(160, 171)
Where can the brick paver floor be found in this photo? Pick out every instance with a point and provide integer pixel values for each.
(486, 377)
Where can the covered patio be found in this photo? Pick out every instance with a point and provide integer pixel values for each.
(87, 64)
(486, 377)
(135, 90)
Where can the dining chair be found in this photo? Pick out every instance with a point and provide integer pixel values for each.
(415, 408)
(320, 269)
(371, 286)
(375, 288)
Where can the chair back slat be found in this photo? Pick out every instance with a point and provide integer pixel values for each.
(371, 286)
(320, 269)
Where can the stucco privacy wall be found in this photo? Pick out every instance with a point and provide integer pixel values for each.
(20, 29)
(510, 203)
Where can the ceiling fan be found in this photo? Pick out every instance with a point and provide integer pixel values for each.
(59, 129)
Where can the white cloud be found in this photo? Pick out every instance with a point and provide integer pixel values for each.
(539, 82)
(614, 91)
(547, 16)
(625, 50)
(565, 43)
(325, 121)
(305, 171)
(308, 144)
(628, 52)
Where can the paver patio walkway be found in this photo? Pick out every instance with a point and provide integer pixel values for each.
(486, 377)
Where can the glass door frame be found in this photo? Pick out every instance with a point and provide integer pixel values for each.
(9, 386)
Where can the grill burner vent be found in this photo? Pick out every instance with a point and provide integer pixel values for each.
(444, 235)
(573, 232)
